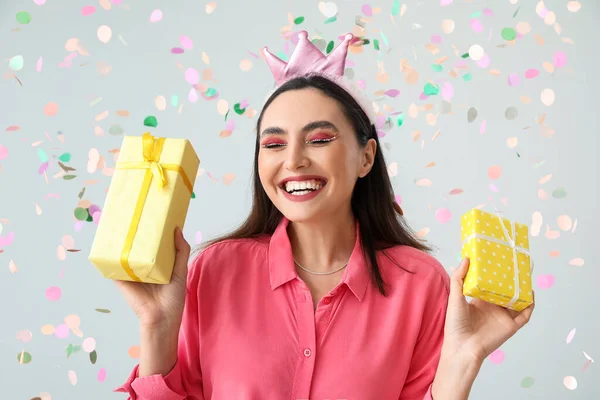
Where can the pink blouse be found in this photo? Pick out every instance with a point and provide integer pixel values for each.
(250, 331)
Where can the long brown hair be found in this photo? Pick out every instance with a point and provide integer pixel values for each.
(380, 218)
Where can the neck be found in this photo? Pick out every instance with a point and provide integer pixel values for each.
(324, 245)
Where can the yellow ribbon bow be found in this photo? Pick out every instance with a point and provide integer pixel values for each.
(152, 149)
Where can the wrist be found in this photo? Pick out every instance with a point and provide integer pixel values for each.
(454, 377)
(158, 349)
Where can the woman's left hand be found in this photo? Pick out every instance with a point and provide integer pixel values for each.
(475, 329)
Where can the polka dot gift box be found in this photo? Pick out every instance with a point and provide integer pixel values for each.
(500, 269)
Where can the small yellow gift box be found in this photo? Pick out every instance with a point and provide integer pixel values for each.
(148, 196)
(501, 265)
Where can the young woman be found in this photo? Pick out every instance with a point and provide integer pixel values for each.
(323, 292)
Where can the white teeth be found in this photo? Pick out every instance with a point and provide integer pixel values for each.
(304, 186)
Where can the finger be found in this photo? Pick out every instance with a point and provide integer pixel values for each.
(182, 254)
(456, 280)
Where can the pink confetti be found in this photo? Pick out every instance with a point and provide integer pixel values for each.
(497, 357)
(96, 217)
(53, 293)
(367, 10)
(392, 92)
(443, 215)
(186, 42)
(545, 281)
(488, 12)
(447, 91)
(571, 335)
(445, 2)
(177, 50)
(115, 2)
(78, 226)
(198, 237)
(61, 331)
(514, 80)
(494, 188)
(38, 65)
(3, 152)
(101, 375)
(192, 76)
(560, 59)
(24, 336)
(192, 95)
(437, 39)
(156, 15)
(531, 73)
(482, 127)
(7, 240)
(88, 10)
(484, 61)
(476, 25)
(577, 262)
(39, 2)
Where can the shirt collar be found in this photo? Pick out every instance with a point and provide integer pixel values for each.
(282, 268)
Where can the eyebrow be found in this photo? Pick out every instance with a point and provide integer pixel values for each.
(311, 126)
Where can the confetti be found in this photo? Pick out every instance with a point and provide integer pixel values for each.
(431, 90)
(16, 63)
(423, 182)
(328, 9)
(476, 25)
(89, 344)
(559, 193)
(527, 382)
(62, 331)
(104, 33)
(476, 52)
(514, 79)
(573, 6)
(72, 377)
(160, 102)
(571, 335)
(23, 17)
(445, 2)
(511, 113)
(3, 155)
(570, 382)
(497, 357)
(547, 96)
(101, 375)
(191, 76)
(12, 267)
(545, 281)
(151, 121)
(134, 352)
(53, 293)
(447, 26)
(210, 8)
(564, 222)
(186, 42)
(23, 357)
(51, 109)
(536, 223)
(508, 34)
(471, 114)
(24, 336)
(157, 15)
(576, 262)
(88, 10)
(443, 215)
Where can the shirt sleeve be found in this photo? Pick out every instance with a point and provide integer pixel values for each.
(426, 355)
(184, 381)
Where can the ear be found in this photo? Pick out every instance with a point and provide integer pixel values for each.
(368, 158)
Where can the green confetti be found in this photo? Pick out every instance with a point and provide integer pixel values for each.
(103, 310)
(16, 63)
(366, 41)
(299, 20)
(437, 67)
(431, 90)
(80, 195)
(329, 47)
(516, 12)
(23, 17)
(69, 177)
(81, 214)
(193, 195)
(282, 56)
(537, 165)
(95, 101)
(467, 77)
(66, 168)
(508, 34)
(65, 157)
(476, 14)
(226, 115)
(385, 41)
(174, 100)
(42, 155)
(238, 110)
(116, 130)
(93, 357)
(400, 119)
(559, 193)
(466, 55)
(527, 382)
(330, 20)
(72, 349)
(376, 44)
(396, 7)
(89, 217)
(150, 120)
(210, 92)
(24, 357)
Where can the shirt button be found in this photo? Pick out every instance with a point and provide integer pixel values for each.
(307, 352)
(327, 300)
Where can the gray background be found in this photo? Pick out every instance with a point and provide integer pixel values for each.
(143, 68)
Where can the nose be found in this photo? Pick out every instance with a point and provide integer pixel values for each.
(295, 157)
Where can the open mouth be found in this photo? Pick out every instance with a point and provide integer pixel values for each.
(300, 188)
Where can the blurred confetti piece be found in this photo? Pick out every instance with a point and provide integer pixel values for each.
(47, 329)
(423, 182)
(222, 107)
(570, 382)
(471, 114)
(210, 7)
(560, 59)
(577, 262)
(104, 33)
(151, 121)
(392, 169)
(527, 382)
(72, 377)
(101, 375)
(160, 102)
(3, 153)
(39, 2)
(198, 237)
(53, 293)
(511, 113)
(73, 321)
(550, 234)
(16, 63)
(564, 222)
(443, 215)
(88, 10)
(246, 65)
(24, 357)
(102, 310)
(186, 42)
(24, 336)
(571, 335)
(23, 17)
(512, 142)
(559, 193)
(476, 52)
(156, 15)
(531, 73)
(547, 96)
(536, 223)
(50, 109)
(456, 191)
(476, 25)
(134, 352)
(514, 80)
(545, 179)
(494, 172)
(228, 178)
(89, 344)
(445, 2)
(328, 9)
(573, 6)
(508, 34)
(497, 357)
(545, 281)
(447, 26)
(61, 331)
(12, 267)
(191, 76)
(38, 209)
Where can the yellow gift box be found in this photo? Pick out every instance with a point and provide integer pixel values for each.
(501, 265)
(148, 197)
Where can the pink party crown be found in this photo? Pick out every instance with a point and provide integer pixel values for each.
(307, 58)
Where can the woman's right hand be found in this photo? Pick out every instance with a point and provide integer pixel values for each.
(161, 305)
